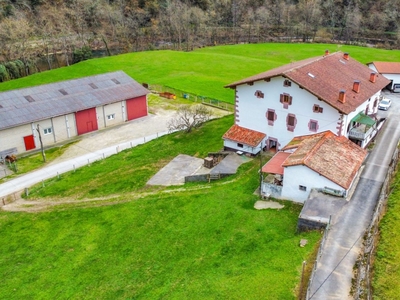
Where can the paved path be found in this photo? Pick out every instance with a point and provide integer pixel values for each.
(98, 145)
(334, 271)
(27, 180)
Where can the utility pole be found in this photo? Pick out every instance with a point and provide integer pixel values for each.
(41, 144)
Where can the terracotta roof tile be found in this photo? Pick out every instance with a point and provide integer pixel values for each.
(325, 77)
(334, 157)
(387, 67)
(274, 165)
(244, 135)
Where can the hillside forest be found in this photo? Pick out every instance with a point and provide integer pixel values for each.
(62, 32)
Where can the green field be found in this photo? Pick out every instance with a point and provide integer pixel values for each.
(130, 241)
(202, 241)
(204, 71)
(386, 283)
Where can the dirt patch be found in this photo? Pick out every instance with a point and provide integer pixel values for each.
(267, 204)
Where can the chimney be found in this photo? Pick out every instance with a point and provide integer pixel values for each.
(326, 52)
(346, 56)
(342, 96)
(356, 86)
(372, 77)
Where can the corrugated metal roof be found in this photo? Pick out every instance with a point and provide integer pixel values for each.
(274, 165)
(49, 102)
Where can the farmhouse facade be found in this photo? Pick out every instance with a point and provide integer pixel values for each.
(391, 70)
(59, 111)
(331, 92)
(322, 161)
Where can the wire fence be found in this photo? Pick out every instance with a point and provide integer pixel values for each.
(363, 287)
(192, 97)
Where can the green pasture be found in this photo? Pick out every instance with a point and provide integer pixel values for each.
(386, 280)
(197, 241)
(204, 71)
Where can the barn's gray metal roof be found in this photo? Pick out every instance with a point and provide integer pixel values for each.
(37, 103)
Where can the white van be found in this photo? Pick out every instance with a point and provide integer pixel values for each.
(396, 88)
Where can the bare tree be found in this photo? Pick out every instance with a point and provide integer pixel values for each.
(189, 117)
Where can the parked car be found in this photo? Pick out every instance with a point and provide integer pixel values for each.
(384, 104)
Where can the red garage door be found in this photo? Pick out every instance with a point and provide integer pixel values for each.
(86, 121)
(29, 142)
(136, 107)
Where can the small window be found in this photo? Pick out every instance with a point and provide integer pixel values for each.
(271, 116)
(302, 188)
(47, 131)
(111, 117)
(317, 108)
(291, 122)
(313, 125)
(286, 100)
(259, 94)
(240, 145)
(287, 83)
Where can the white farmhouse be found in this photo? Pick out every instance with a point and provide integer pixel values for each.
(320, 161)
(331, 92)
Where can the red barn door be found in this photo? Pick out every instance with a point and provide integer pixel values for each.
(136, 107)
(86, 121)
(29, 142)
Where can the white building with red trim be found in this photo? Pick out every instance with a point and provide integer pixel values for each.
(391, 70)
(60, 111)
(331, 92)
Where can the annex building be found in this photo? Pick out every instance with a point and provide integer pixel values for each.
(59, 111)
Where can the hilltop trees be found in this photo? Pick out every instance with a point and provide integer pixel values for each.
(54, 30)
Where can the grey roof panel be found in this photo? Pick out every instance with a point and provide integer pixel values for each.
(50, 102)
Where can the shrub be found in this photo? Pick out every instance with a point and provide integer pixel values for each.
(81, 54)
(3, 73)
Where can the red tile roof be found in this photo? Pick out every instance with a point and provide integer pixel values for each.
(274, 165)
(325, 76)
(334, 157)
(387, 67)
(244, 135)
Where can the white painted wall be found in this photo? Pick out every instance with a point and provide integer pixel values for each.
(295, 176)
(251, 111)
(234, 145)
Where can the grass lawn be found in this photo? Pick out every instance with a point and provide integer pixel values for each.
(204, 71)
(205, 241)
(34, 161)
(386, 281)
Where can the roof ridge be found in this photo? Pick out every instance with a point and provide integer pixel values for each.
(310, 61)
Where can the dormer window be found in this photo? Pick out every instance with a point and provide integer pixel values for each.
(287, 83)
(259, 94)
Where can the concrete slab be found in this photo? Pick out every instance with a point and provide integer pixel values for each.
(175, 171)
(319, 207)
(230, 164)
